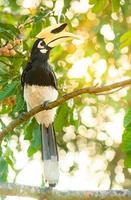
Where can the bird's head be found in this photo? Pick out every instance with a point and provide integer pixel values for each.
(51, 37)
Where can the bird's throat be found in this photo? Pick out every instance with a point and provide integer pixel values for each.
(40, 58)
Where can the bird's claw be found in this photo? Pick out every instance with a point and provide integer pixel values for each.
(22, 115)
(45, 104)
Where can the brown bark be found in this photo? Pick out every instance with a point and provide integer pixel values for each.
(88, 90)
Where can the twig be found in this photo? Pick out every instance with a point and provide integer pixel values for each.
(59, 101)
(12, 189)
(112, 92)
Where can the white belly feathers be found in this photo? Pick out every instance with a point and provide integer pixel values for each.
(35, 95)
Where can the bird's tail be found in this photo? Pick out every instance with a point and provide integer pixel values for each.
(50, 155)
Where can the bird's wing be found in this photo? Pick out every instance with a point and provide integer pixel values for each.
(53, 78)
(27, 68)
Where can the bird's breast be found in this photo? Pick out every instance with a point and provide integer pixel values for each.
(35, 95)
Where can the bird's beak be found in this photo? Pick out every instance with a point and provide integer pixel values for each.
(55, 35)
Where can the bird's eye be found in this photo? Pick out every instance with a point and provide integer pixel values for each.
(41, 44)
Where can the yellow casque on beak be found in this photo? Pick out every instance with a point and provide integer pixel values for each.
(55, 35)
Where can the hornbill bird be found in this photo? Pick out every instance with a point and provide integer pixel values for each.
(40, 85)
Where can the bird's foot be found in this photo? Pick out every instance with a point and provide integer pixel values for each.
(45, 104)
(22, 115)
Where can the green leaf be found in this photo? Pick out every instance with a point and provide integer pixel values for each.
(10, 162)
(127, 118)
(8, 152)
(13, 5)
(69, 24)
(19, 103)
(126, 8)
(72, 119)
(61, 117)
(99, 6)
(28, 130)
(125, 39)
(31, 151)
(116, 5)
(3, 71)
(36, 28)
(127, 160)
(66, 6)
(8, 31)
(36, 139)
(3, 169)
(2, 124)
(36, 142)
(4, 74)
(5, 35)
(9, 156)
(8, 90)
(126, 140)
(73, 168)
(41, 15)
(92, 1)
(6, 109)
(25, 46)
(125, 43)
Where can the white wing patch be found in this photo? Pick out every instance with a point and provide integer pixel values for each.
(35, 95)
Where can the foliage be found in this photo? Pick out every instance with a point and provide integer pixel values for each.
(103, 57)
(126, 39)
(126, 144)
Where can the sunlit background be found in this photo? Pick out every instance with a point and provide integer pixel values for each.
(91, 157)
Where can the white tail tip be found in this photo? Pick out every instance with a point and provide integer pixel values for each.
(51, 171)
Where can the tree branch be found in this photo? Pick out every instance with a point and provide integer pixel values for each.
(12, 189)
(87, 90)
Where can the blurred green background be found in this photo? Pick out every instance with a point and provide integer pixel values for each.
(89, 128)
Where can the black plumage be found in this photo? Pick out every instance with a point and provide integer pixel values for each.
(38, 70)
(38, 74)
(39, 85)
